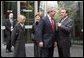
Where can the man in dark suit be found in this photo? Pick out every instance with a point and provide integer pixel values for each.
(64, 28)
(45, 34)
(9, 25)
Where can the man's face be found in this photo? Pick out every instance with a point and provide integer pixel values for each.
(63, 13)
(37, 18)
(52, 12)
(11, 15)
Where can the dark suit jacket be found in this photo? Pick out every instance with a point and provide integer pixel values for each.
(18, 41)
(64, 32)
(7, 31)
(44, 32)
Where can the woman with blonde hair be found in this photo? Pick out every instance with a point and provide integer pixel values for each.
(18, 40)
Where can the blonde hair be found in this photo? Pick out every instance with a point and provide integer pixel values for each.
(20, 18)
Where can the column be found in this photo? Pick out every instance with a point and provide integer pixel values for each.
(18, 8)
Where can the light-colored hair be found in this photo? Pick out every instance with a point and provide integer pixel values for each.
(20, 18)
(38, 14)
(49, 9)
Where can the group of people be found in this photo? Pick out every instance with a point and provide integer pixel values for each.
(47, 34)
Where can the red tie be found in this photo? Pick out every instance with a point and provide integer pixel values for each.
(52, 24)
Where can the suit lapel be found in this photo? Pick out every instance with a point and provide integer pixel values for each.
(65, 21)
(48, 21)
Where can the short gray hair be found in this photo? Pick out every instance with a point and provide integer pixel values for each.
(49, 9)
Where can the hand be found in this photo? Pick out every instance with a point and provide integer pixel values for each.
(40, 44)
(59, 24)
(55, 44)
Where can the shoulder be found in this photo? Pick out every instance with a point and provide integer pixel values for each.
(44, 18)
(17, 25)
(6, 20)
(69, 19)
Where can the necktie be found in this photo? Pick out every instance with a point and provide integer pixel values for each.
(52, 24)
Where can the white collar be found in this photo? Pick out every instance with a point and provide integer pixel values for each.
(22, 24)
(64, 19)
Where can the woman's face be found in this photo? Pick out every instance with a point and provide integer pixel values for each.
(23, 20)
(37, 18)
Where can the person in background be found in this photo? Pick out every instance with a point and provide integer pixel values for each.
(9, 25)
(18, 39)
(64, 28)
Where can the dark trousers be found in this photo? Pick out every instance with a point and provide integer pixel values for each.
(36, 51)
(47, 52)
(64, 51)
(8, 45)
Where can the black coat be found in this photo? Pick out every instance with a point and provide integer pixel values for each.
(18, 41)
(33, 31)
(7, 31)
(36, 48)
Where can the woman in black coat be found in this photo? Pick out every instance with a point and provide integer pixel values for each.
(18, 40)
(35, 26)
